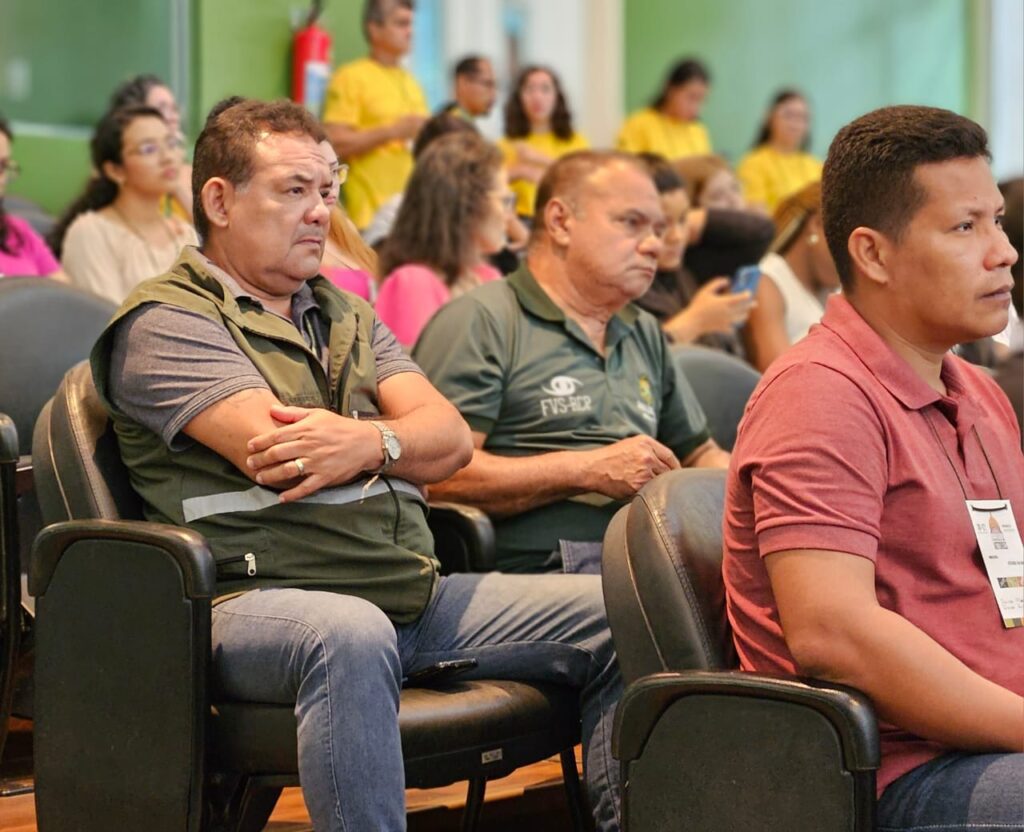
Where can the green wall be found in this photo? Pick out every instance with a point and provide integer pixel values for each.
(243, 47)
(238, 47)
(849, 57)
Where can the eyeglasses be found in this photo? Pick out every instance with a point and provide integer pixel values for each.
(486, 83)
(341, 174)
(151, 150)
(9, 168)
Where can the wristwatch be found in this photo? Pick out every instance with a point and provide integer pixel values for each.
(389, 444)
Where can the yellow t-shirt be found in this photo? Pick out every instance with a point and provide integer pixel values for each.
(649, 131)
(366, 94)
(548, 144)
(768, 176)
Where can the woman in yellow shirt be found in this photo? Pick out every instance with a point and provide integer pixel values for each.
(670, 126)
(538, 130)
(779, 165)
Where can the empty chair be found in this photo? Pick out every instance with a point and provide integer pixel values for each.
(703, 746)
(722, 383)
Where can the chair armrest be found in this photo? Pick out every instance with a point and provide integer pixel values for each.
(122, 649)
(463, 538)
(848, 711)
(186, 549)
(732, 750)
(8, 439)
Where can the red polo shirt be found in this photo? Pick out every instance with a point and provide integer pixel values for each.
(835, 452)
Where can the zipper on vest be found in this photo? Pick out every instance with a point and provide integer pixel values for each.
(250, 561)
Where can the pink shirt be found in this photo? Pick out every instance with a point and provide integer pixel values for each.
(355, 281)
(835, 452)
(410, 296)
(31, 257)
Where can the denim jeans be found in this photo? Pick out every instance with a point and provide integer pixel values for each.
(957, 793)
(341, 661)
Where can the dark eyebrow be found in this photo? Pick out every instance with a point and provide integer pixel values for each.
(978, 213)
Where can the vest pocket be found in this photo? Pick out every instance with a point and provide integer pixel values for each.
(243, 557)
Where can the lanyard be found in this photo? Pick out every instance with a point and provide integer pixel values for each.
(960, 482)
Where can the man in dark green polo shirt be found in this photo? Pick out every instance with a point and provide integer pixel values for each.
(569, 389)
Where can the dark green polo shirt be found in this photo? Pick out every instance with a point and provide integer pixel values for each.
(521, 372)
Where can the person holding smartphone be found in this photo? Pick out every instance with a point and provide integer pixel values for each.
(799, 275)
(688, 313)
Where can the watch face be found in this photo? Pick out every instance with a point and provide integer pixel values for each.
(392, 444)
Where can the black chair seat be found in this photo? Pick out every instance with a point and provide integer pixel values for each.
(505, 724)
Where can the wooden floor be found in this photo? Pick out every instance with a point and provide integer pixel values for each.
(530, 798)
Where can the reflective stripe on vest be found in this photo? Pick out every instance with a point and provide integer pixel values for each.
(258, 498)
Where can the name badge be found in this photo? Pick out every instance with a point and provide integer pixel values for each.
(1003, 554)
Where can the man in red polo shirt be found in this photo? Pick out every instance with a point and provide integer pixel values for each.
(877, 486)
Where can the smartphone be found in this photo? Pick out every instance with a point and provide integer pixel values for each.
(746, 279)
(438, 672)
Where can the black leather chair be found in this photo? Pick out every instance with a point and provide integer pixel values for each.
(722, 383)
(126, 736)
(704, 747)
(45, 328)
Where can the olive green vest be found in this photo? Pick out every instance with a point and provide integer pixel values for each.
(375, 545)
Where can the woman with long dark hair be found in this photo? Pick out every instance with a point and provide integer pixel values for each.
(22, 252)
(452, 217)
(670, 125)
(149, 91)
(538, 130)
(779, 164)
(115, 235)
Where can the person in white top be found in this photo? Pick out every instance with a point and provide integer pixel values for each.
(797, 275)
(116, 234)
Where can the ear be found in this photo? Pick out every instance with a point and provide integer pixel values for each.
(557, 220)
(217, 197)
(114, 172)
(870, 252)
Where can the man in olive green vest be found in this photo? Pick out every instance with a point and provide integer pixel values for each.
(570, 390)
(257, 404)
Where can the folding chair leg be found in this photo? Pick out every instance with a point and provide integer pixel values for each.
(474, 804)
(573, 792)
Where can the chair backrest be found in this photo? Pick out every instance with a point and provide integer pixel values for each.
(45, 328)
(723, 385)
(79, 474)
(662, 570)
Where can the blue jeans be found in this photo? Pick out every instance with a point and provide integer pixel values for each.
(341, 661)
(957, 793)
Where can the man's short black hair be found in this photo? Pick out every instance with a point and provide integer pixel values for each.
(377, 11)
(468, 67)
(868, 178)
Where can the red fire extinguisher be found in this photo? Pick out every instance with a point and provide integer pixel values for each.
(311, 62)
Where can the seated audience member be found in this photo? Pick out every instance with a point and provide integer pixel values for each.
(538, 130)
(324, 462)
(570, 390)
(115, 234)
(349, 263)
(779, 165)
(150, 91)
(711, 183)
(850, 553)
(797, 276)
(670, 126)
(688, 313)
(22, 252)
(475, 88)
(373, 110)
(440, 125)
(1010, 372)
(452, 217)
